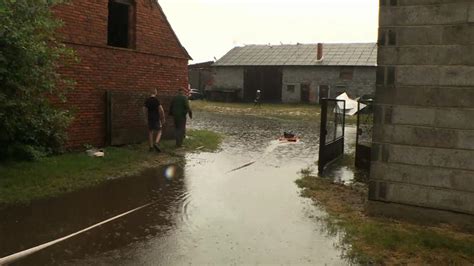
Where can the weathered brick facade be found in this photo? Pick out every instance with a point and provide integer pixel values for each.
(157, 60)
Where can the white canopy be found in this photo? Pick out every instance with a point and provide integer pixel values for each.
(351, 105)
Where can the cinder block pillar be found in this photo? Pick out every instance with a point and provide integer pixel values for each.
(423, 153)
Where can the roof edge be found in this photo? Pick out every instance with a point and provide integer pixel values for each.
(172, 31)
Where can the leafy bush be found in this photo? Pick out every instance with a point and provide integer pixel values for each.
(25, 152)
(31, 89)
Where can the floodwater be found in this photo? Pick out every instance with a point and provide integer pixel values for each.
(210, 211)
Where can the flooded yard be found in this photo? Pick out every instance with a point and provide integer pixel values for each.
(237, 206)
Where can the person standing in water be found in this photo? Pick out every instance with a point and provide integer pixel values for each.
(156, 119)
(179, 109)
(257, 98)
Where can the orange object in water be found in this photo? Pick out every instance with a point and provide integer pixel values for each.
(292, 139)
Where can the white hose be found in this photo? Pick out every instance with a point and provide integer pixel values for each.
(17, 256)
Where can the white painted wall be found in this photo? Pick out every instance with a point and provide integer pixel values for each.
(363, 82)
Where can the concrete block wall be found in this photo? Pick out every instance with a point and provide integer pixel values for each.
(423, 152)
(363, 82)
(200, 78)
(228, 78)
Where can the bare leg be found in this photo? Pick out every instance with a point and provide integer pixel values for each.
(150, 138)
(158, 137)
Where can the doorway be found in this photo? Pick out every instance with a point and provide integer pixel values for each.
(305, 93)
(323, 92)
(267, 79)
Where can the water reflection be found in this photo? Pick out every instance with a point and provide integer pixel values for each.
(343, 170)
(43, 221)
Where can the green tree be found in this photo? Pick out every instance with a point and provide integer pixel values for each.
(31, 88)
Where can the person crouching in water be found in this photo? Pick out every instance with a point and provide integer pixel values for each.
(179, 109)
(155, 119)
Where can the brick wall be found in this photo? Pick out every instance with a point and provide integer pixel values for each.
(157, 61)
(128, 106)
(424, 128)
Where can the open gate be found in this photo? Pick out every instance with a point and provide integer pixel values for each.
(331, 142)
(365, 124)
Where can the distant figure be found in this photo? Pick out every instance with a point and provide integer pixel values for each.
(257, 98)
(155, 119)
(179, 109)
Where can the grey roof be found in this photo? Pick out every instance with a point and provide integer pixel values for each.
(334, 54)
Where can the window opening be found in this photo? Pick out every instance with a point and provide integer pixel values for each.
(347, 73)
(120, 24)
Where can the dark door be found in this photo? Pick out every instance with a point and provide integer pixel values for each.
(323, 92)
(251, 83)
(305, 93)
(267, 79)
(365, 124)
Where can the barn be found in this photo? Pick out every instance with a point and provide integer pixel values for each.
(301, 73)
(125, 48)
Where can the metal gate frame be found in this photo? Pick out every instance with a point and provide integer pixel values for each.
(363, 152)
(331, 149)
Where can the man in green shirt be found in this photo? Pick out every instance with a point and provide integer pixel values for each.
(179, 109)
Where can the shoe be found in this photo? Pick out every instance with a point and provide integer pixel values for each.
(151, 149)
(157, 148)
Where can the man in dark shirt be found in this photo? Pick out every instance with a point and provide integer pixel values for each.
(179, 109)
(155, 119)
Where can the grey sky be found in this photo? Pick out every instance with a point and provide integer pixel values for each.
(209, 28)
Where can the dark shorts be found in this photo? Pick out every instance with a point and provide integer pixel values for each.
(154, 124)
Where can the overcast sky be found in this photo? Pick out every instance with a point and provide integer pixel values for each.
(210, 28)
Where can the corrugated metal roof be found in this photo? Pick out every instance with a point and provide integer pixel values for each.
(334, 54)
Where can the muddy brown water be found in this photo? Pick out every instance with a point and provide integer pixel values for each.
(204, 214)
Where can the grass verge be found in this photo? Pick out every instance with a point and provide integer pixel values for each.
(22, 182)
(282, 111)
(303, 112)
(380, 240)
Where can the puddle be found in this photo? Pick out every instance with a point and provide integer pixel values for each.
(343, 170)
(43, 221)
(237, 206)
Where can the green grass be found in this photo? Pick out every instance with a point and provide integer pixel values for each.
(204, 140)
(305, 112)
(384, 241)
(379, 240)
(272, 110)
(22, 182)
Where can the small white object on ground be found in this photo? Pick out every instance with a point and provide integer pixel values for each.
(91, 152)
(95, 153)
(99, 154)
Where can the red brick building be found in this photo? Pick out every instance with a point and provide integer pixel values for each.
(126, 48)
